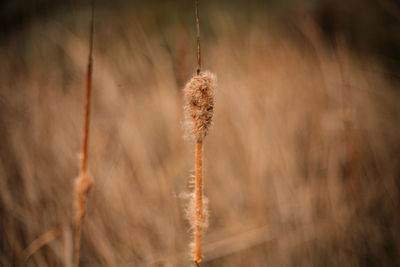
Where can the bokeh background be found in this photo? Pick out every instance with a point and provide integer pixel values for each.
(302, 166)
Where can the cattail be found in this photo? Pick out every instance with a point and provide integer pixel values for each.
(199, 100)
(83, 183)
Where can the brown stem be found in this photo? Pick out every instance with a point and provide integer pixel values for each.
(198, 37)
(83, 183)
(77, 246)
(39, 242)
(199, 202)
(87, 97)
(198, 231)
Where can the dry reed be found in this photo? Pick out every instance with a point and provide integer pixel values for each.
(199, 109)
(83, 183)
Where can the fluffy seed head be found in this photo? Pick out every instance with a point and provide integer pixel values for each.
(199, 105)
(199, 223)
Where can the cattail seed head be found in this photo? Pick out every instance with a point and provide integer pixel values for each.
(196, 222)
(199, 105)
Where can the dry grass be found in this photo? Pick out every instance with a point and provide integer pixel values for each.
(301, 166)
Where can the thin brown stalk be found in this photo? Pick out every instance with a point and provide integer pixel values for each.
(198, 37)
(83, 182)
(198, 231)
(87, 97)
(77, 240)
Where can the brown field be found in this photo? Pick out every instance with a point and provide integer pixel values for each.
(301, 165)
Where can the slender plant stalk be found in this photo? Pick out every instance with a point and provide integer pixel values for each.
(83, 182)
(77, 246)
(198, 37)
(199, 110)
(199, 202)
(87, 97)
(198, 231)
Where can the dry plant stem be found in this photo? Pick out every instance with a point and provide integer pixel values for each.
(77, 246)
(198, 37)
(87, 98)
(198, 231)
(39, 242)
(83, 183)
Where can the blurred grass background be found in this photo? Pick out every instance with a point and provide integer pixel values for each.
(301, 167)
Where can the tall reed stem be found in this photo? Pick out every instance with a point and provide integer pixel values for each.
(199, 202)
(199, 100)
(198, 37)
(198, 231)
(87, 97)
(77, 240)
(83, 183)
